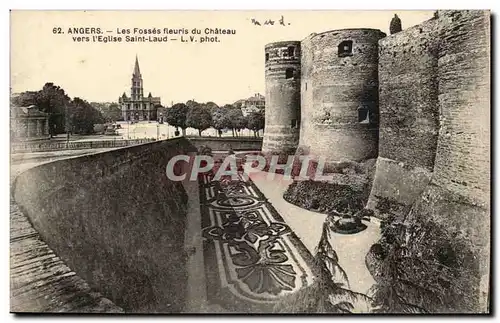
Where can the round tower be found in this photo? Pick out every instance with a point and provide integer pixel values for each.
(458, 198)
(281, 133)
(339, 104)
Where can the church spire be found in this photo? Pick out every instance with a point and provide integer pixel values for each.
(137, 71)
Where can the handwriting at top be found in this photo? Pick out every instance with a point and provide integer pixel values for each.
(269, 22)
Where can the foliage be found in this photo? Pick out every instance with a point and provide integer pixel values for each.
(389, 208)
(192, 103)
(65, 114)
(238, 121)
(220, 119)
(82, 117)
(325, 197)
(256, 121)
(330, 292)
(111, 112)
(424, 267)
(177, 115)
(211, 105)
(199, 117)
(50, 99)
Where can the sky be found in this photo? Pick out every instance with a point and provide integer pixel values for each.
(222, 72)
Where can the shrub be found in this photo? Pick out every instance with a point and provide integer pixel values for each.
(426, 266)
(324, 197)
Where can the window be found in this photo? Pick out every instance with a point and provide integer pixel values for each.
(293, 123)
(289, 73)
(363, 115)
(291, 51)
(345, 48)
(267, 57)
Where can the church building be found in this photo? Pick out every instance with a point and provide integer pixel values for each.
(137, 107)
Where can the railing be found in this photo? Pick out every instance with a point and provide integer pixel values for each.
(22, 147)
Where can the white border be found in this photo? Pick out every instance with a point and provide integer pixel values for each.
(186, 4)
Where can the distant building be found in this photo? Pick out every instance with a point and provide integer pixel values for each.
(28, 123)
(254, 103)
(137, 106)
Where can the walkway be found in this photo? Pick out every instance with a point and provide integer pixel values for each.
(45, 156)
(351, 249)
(39, 280)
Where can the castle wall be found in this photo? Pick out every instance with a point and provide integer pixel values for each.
(409, 116)
(282, 97)
(459, 195)
(117, 220)
(334, 86)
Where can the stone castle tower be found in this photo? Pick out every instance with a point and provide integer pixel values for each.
(322, 95)
(339, 89)
(283, 70)
(137, 107)
(417, 100)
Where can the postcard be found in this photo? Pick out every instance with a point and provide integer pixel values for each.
(276, 162)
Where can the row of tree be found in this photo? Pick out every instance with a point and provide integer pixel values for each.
(79, 116)
(202, 116)
(65, 114)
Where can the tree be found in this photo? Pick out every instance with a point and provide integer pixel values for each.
(256, 121)
(238, 121)
(110, 111)
(211, 105)
(177, 115)
(199, 117)
(82, 117)
(236, 118)
(52, 100)
(25, 99)
(220, 119)
(395, 26)
(330, 292)
(238, 104)
(154, 112)
(65, 115)
(191, 103)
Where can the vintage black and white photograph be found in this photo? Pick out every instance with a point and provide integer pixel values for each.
(250, 162)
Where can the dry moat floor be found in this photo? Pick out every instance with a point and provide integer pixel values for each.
(249, 248)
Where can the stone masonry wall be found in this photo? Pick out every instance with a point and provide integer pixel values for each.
(463, 151)
(409, 116)
(226, 143)
(334, 86)
(116, 220)
(459, 195)
(282, 96)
